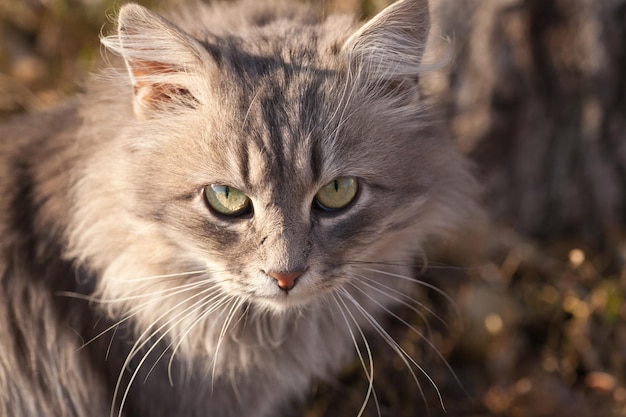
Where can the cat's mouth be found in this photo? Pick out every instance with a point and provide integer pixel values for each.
(269, 293)
(286, 300)
(296, 298)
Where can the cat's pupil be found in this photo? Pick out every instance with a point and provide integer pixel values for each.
(226, 200)
(337, 194)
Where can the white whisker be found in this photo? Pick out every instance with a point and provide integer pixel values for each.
(137, 309)
(423, 284)
(229, 317)
(414, 330)
(155, 277)
(340, 102)
(245, 118)
(148, 334)
(406, 358)
(423, 266)
(403, 299)
(369, 374)
(200, 317)
(151, 295)
(106, 355)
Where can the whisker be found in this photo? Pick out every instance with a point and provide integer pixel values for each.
(423, 284)
(406, 303)
(245, 118)
(404, 356)
(233, 308)
(145, 338)
(265, 334)
(154, 277)
(182, 337)
(137, 309)
(413, 329)
(369, 374)
(341, 102)
(201, 317)
(136, 371)
(425, 265)
(106, 355)
(150, 295)
(404, 300)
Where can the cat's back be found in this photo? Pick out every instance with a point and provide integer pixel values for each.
(36, 154)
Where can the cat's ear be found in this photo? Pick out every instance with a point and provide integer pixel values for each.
(165, 64)
(391, 45)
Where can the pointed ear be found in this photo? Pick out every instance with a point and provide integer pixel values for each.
(390, 46)
(167, 67)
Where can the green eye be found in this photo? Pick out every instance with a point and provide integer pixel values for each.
(337, 194)
(226, 200)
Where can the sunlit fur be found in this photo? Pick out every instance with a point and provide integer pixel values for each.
(275, 101)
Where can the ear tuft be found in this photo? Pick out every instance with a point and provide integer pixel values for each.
(165, 65)
(391, 45)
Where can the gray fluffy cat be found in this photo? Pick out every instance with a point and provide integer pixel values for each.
(207, 229)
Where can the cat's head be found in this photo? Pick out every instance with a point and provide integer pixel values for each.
(270, 165)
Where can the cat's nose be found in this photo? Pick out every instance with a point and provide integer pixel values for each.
(286, 280)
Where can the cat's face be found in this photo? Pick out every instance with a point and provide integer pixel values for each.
(269, 170)
(278, 176)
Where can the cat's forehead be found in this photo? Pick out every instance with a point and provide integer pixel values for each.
(291, 41)
(271, 145)
(280, 122)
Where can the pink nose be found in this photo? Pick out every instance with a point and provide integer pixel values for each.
(286, 280)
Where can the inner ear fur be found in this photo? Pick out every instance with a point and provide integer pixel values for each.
(167, 67)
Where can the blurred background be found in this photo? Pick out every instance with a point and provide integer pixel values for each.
(535, 94)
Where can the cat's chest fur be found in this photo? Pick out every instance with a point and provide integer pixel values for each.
(210, 227)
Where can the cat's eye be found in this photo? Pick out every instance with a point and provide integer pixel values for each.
(227, 200)
(337, 194)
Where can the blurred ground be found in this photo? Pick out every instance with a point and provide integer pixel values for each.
(538, 329)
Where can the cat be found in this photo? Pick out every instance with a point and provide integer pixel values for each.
(210, 226)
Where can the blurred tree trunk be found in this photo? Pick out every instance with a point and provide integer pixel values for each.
(537, 97)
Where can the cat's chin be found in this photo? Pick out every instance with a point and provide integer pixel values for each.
(285, 303)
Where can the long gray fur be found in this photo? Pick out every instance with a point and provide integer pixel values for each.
(122, 293)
